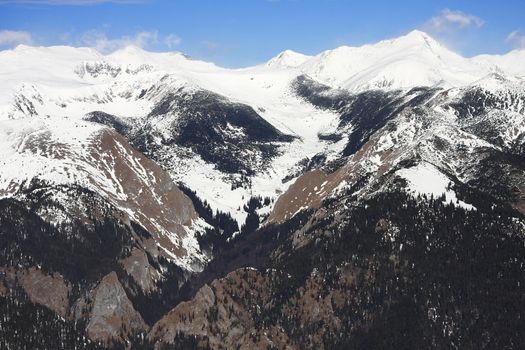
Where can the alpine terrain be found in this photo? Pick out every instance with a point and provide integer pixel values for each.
(367, 197)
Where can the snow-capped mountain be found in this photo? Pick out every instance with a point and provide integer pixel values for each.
(146, 94)
(415, 59)
(141, 88)
(173, 172)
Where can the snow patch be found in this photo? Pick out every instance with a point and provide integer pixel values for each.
(427, 179)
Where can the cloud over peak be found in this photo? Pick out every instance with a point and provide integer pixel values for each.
(452, 20)
(144, 39)
(516, 39)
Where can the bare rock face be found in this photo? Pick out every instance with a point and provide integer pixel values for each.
(196, 309)
(112, 315)
(233, 312)
(49, 290)
(310, 189)
(139, 268)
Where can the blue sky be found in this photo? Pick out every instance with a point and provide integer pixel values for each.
(237, 33)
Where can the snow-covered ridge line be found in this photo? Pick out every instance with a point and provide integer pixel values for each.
(411, 60)
(415, 59)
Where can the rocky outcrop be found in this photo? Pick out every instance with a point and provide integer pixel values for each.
(240, 311)
(49, 290)
(56, 266)
(112, 316)
(139, 268)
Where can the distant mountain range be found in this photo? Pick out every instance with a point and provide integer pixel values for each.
(366, 197)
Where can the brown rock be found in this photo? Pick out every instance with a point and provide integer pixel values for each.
(138, 267)
(310, 189)
(146, 190)
(112, 316)
(49, 290)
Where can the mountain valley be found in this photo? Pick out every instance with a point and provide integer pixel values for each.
(366, 197)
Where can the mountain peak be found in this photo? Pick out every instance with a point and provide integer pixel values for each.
(130, 50)
(288, 58)
(22, 47)
(418, 34)
(414, 38)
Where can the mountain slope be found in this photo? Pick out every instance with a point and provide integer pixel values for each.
(72, 152)
(386, 274)
(457, 130)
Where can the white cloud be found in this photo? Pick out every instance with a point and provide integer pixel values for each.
(100, 41)
(171, 41)
(70, 2)
(516, 39)
(13, 37)
(512, 36)
(451, 20)
(144, 39)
